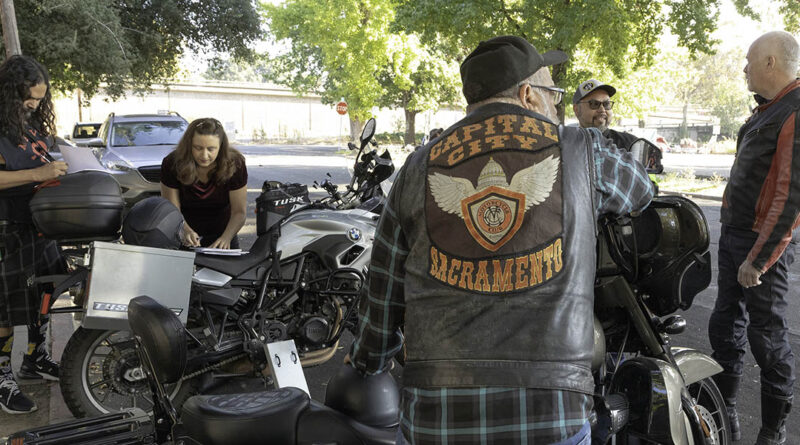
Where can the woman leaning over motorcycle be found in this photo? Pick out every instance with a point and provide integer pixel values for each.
(207, 180)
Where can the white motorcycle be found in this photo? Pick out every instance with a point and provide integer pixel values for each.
(300, 280)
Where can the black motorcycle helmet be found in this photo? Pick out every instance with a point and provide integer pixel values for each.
(153, 222)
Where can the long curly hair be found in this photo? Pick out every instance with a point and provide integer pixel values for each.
(17, 75)
(224, 166)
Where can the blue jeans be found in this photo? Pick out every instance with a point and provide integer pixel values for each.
(584, 437)
(755, 315)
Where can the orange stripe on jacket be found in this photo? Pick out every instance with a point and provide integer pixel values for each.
(773, 196)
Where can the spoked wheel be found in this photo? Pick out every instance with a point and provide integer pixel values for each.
(101, 373)
(710, 407)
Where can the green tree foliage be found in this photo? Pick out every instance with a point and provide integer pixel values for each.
(416, 79)
(335, 48)
(253, 69)
(789, 10)
(128, 43)
(618, 35)
(611, 40)
(344, 49)
(712, 81)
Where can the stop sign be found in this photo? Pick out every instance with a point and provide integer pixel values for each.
(341, 108)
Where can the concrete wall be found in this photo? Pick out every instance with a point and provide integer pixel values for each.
(246, 110)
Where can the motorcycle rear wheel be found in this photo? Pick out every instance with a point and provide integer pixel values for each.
(100, 374)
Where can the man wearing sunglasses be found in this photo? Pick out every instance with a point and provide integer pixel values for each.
(592, 105)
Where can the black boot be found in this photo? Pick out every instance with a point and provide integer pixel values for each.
(774, 410)
(728, 385)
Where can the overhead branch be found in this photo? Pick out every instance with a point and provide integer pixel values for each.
(114, 36)
(512, 20)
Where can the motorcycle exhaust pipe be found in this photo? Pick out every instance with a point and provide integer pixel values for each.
(313, 358)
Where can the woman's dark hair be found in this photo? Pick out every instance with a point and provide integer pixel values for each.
(17, 75)
(227, 159)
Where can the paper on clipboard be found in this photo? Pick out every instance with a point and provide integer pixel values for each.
(79, 158)
(214, 251)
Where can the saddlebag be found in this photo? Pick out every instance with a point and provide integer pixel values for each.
(668, 243)
(120, 272)
(276, 201)
(82, 206)
(132, 426)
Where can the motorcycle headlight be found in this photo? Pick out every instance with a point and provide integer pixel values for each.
(118, 165)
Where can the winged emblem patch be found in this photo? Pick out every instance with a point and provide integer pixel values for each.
(493, 210)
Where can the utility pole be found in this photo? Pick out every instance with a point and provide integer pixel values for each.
(10, 34)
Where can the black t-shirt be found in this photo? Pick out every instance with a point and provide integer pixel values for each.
(205, 206)
(621, 139)
(31, 153)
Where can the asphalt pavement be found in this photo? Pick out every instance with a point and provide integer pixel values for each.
(52, 408)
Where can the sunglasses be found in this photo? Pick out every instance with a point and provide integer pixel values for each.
(595, 104)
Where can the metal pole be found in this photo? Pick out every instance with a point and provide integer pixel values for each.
(10, 34)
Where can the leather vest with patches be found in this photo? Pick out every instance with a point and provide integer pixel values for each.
(499, 278)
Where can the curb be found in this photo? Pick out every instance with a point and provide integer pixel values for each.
(691, 195)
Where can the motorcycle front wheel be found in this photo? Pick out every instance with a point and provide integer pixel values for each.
(711, 409)
(101, 373)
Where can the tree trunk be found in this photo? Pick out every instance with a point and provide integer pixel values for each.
(10, 33)
(355, 129)
(80, 106)
(411, 133)
(684, 132)
(558, 73)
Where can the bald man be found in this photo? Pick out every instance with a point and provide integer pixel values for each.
(759, 216)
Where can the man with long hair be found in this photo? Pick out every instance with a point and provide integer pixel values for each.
(26, 126)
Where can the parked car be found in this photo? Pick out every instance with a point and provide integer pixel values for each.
(132, 147)
(83, 132)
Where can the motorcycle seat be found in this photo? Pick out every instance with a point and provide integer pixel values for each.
(248, 418)
(236, 265)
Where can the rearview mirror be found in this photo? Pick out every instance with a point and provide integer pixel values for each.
(648, 154)
(368, 132)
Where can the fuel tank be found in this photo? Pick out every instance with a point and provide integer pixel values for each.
(343, 236)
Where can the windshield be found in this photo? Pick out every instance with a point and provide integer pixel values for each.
(85, 130)
(127, 134)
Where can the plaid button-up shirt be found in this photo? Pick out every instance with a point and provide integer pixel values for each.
(487, 414)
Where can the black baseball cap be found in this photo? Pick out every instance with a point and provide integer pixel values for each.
(591, 85)
(500, 63)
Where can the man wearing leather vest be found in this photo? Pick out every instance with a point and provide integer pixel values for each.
(760, 210)
(485, 256)
(26, 123)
